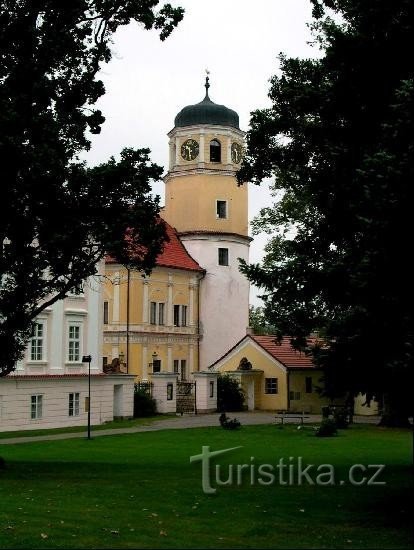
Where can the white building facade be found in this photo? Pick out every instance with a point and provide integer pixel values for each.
(50, 386)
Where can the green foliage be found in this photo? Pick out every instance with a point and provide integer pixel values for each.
(327, 428)
(229, 424)
(338, 141)
(144, 405)
(230, 396)
(258, 321)
(341, 418)
(58, 217)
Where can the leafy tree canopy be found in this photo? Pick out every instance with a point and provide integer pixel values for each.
(58, 217)
(259, 322)
(338, 141)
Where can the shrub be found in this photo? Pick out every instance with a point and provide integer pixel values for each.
(230, 397)
(228, 424)
(327, 428)
(144, 405)
(341, 418)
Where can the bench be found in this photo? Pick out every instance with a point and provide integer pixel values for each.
(285, 415)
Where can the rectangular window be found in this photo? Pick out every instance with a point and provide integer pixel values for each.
(104, 362)
(271, 385)
(160, 313)
(176, 366)
(183, 369)
(36, 406)
(294, 395)
(176, 316)
(74, 404)
(153, 313)
(180, 316)
(170, 389)
(183, 316)
(221, 209)
(105, 313)
(223, 256)
(308, 384)
(212, 388)
(157, 310)
(74, 343)
(156, 366)
(37, 342)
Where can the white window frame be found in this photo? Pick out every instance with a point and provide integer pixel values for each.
(74, 324)
(42, 323)
(36, 406)
(271, 387)
(73, 405)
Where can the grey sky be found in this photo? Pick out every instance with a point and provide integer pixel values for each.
(148, 81)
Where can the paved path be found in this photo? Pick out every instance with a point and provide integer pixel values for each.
(178, 423)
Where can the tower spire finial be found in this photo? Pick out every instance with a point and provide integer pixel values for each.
(207, 84)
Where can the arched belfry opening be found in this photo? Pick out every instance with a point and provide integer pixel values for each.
(215, 150)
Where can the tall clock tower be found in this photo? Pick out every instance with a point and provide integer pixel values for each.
(209, 211)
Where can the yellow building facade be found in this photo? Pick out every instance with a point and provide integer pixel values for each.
(277, 377)
(151, 323)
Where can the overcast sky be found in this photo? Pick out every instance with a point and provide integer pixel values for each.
(148, 81)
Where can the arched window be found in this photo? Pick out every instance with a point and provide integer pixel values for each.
(215, 151)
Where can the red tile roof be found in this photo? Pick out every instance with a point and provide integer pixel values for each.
(174, 255)
(283, 352)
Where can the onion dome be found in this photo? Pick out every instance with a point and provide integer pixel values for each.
(207, 112)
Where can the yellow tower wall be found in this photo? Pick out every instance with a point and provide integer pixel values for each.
(191, 203)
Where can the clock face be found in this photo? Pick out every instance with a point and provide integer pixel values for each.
(236, 152)
(189, 149)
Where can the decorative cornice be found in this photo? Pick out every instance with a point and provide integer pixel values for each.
(200, 233)
(198, 170)
(168, 339)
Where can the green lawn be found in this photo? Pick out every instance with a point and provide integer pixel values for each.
(140, 491)
(115, 424)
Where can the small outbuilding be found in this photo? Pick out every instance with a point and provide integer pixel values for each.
(273, 375)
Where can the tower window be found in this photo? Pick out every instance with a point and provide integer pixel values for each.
(215, 151)
(223, 256)
(221, 209)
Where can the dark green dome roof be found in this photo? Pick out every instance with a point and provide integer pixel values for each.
(207, 112)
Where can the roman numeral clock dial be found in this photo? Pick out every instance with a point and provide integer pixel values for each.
(189, 149)
(236, 152)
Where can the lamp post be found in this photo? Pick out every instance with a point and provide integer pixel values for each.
(88, 359)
